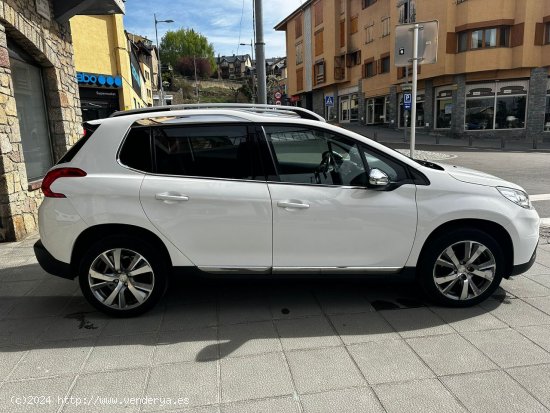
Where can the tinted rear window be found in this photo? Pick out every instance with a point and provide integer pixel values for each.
(136, 150)
(71, 153)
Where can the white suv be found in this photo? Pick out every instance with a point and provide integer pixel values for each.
(269, 190)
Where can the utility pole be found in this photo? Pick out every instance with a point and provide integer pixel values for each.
(260, 52)
(161, 86)
(251, 44)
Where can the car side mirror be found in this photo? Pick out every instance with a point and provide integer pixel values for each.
(378, 179)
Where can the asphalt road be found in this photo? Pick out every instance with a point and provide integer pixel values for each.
(529, 169)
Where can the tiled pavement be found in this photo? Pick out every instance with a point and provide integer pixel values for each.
(273, 346)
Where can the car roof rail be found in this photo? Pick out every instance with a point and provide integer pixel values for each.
(257, 108)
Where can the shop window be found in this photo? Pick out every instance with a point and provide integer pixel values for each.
(377, 110)
(339, 67)
(547, 114)
(298, 26)
(354, 24)
(483, 38)
(385, 65)
(32, 115)
(318, 12)
(496, 106)
(443, 108)
(420, 119)
(319, 43)
(367, 3)
(349, 107)
(386, 27)
(353, 58)
(319, 72)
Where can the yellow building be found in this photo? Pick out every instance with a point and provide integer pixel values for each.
(109, 74)
(491, 78)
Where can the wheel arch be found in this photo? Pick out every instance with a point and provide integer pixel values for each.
(97, 232)
(497, 231)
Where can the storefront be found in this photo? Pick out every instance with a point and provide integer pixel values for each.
(547, 113)
(99, 95)
(443, 107)
(496, 105)
(348, 105)
(378, 110)
(420, 118)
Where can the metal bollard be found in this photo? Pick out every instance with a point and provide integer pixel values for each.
(437, 139)
(470, 140)
(535, 142)
(375, 137)
(502, 142)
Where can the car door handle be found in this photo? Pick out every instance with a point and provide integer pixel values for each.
(292, 205)
(167, 196)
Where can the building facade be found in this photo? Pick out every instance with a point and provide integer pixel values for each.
(491, 77)
(110, 74)
(40, 113)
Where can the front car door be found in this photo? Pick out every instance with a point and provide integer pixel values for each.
(209, 197)
(324, 217)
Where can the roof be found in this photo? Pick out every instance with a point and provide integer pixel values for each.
(282, 25)
(234, 58)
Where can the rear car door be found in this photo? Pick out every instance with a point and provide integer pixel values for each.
(324, 216)
(209, 197)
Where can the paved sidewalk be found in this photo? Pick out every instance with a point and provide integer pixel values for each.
(387, 135)
(273, 346)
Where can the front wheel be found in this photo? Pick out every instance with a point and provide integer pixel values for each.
(461, 268)
(122, 277)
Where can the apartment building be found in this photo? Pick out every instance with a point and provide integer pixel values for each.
(491, 77)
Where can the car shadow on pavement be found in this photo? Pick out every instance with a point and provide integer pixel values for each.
(207, 319)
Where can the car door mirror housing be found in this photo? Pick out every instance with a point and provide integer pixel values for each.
(378, 179)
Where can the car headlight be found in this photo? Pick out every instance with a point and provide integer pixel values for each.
(516, 196)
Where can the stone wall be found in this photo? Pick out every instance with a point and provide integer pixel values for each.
(49, 44)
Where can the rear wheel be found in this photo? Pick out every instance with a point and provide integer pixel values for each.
(123, 277)
(461, 268)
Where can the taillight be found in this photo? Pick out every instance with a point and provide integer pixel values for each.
(55, 174)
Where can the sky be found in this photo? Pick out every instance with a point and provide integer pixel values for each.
(220, 21)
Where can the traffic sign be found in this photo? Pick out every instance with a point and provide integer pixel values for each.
(407, 101)
(278, 95)
(427, 43)
(329, 100)
(277, 102)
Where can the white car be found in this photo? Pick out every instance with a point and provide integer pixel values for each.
(269, 190)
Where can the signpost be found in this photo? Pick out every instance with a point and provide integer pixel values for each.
(415, 44)
(329, 100)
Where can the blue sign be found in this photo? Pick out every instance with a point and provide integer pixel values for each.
(92, 79)
(407, 101)
(329, 100)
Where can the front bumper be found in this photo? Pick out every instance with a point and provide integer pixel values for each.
(50, 264)
(521, 268)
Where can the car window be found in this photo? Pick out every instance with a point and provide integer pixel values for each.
(313, 156)
(392, 168)
(214, 151)
(136, 150)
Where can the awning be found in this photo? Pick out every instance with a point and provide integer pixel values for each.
(65, 9)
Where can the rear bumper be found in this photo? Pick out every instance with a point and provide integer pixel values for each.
(521, 268)
(50, 264)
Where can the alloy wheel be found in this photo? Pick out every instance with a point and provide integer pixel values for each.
(121, 279)
(464, 270)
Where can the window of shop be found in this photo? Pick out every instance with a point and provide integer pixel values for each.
(32, 113)
(547, 114)
(378, 110)
(420, 119)
(349, 107)
(496, 105)
(443, 107)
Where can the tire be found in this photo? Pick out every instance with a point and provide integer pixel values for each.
(137, 290)
(473, 279)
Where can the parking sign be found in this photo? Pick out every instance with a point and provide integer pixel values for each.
(407, 101)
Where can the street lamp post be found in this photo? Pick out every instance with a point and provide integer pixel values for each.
(161, 97)
(253, 77)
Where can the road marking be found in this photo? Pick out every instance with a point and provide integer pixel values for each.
(539, 197)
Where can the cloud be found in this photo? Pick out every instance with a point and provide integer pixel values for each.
(219, 21)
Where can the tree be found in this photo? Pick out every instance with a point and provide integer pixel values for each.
(186, 66)
(186, 43)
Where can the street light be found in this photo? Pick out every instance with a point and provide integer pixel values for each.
(253, 81)
(161, 97)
